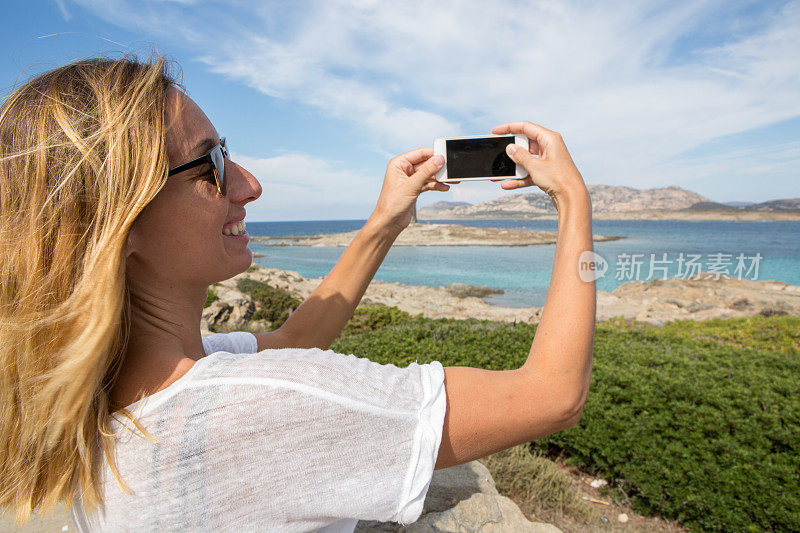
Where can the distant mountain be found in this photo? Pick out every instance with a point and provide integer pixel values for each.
(737, 204)
(608, 198)
(508, 205)
(605, 198)
(444, 205)
(788, 204)
(707, 206)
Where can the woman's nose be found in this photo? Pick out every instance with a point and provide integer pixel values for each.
(242, 186)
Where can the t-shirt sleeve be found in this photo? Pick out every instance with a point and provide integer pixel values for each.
(317, 436)
(233, 342)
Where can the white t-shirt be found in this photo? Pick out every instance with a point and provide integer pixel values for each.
(277, 440)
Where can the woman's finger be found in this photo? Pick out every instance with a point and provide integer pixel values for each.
(418, 156)
(521, 156)
(436, 186)
(534, 148)
(534, 132)
(516, 184)
(428, 169)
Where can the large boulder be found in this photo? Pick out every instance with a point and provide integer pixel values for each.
(464, 498)
(233, 310)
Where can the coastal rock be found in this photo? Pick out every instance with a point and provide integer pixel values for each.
(426, 234)
(655, 302)
(233, 308)
(464, 498)
(431, 302)
(462, 290)
(658, 301)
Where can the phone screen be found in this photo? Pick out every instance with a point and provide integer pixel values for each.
(480, 157)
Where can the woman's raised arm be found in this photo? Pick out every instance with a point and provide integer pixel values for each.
(490, 411)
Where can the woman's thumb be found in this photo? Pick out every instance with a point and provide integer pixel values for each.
(521, 156)
(428, 169)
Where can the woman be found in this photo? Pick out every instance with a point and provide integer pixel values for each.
(116, 200)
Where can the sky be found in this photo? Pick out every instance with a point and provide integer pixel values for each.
(315, 98)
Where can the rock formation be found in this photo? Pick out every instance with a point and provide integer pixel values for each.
(431, 235)
(656, 301)
(605, 198)
(464, 498)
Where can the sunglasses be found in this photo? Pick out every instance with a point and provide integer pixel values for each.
(216, 157)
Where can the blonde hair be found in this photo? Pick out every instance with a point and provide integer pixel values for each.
(82, 152)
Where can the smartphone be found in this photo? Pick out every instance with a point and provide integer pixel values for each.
(479, 157)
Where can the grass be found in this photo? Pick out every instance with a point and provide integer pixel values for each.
(536, 484)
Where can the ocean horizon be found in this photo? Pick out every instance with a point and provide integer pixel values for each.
(650, 249)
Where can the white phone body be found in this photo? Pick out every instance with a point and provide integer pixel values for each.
(440, 147)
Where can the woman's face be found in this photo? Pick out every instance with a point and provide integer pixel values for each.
(177, 239)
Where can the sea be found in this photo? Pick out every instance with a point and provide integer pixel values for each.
(649, 249)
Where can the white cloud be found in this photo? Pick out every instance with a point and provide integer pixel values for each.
(295, 185)
(605, 75)
(63, 9)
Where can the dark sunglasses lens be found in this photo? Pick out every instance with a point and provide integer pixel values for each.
(219, 163)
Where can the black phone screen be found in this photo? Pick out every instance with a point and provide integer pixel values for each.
(480, 157)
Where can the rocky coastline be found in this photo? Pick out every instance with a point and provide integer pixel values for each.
(655, 302)
(427, 234)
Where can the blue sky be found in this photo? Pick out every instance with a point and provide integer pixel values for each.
(316, 97)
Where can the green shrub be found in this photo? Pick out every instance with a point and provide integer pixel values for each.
(778, 333)
(692, 427)
(371, 318)
(211, 296)
(272, 304)
(697, 422)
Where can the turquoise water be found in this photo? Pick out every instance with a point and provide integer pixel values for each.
(523, 272)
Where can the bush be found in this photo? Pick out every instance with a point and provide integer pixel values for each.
(694, 427)
(211, 296)
(372, 318)
(697, 421)
(272, 304)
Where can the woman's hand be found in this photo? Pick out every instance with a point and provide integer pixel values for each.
(549, 165)
(407, 176)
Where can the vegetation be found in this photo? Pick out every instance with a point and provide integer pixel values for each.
(272, 304)
(695, 421)
(537, 485)
(211, 296)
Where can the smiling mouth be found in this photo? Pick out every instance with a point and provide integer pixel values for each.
(236, 229)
